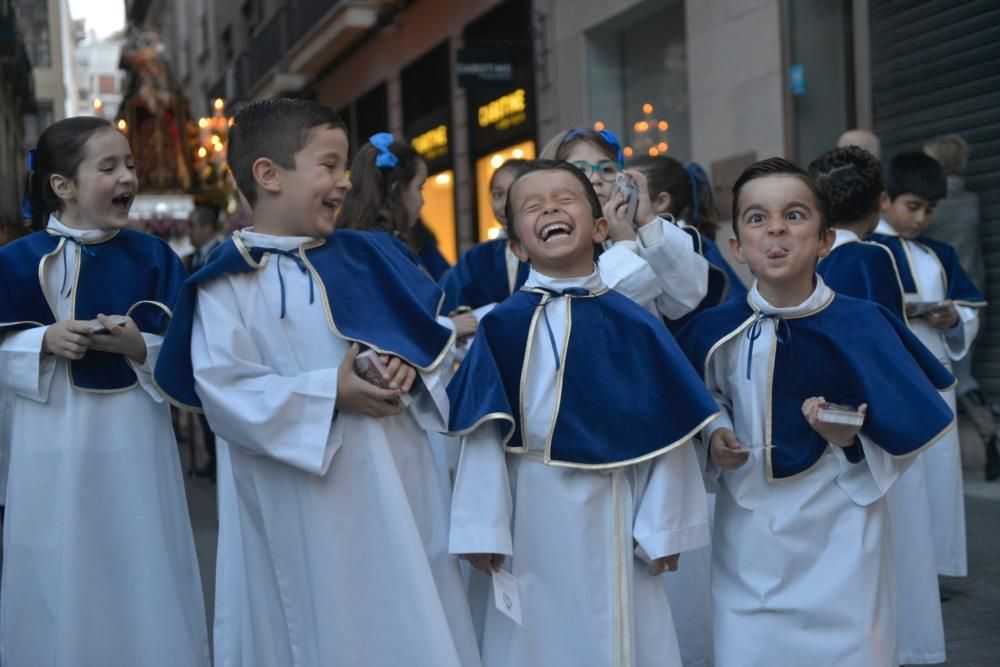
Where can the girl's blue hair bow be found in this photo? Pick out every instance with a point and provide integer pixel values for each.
(697, 176)
(382, 142)
(609, 137)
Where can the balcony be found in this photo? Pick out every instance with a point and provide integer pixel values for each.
(294, 45)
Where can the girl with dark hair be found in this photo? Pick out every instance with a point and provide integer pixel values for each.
(386, 195)
(99, 559)
(685, 195)
(646, 258)
(488, 272)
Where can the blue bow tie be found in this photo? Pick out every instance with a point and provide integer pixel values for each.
(257, 253)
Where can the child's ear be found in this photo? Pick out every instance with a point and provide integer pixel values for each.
(661, 203)
(600, 230)
(267, 175)
(518, 250)
(64, 187)
(826, 241)
(884, 202)
(734, 245)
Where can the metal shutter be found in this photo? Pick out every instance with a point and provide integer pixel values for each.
(936, 69)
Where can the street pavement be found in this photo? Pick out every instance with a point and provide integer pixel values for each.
(971, 610)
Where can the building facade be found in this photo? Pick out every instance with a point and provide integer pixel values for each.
(720, 82)
(50, 40)
(99, 80)
(17, 98)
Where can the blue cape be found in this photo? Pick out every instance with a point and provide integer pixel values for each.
(433, 261)
(864, 271)
(611, 410)
(850, 352)
(723, 282)
(131, 273)
(480, 277)
(959, 286)
(372, 292)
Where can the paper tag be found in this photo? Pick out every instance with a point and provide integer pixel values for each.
(505, 595)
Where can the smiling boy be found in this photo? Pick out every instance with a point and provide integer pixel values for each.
(934, 283)
(332, 523)
(802, 570)
(594, 405)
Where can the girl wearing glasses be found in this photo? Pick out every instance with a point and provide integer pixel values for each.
(646, 258)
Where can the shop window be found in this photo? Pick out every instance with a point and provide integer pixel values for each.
(489, 228)
(638, 80)
(439, 212)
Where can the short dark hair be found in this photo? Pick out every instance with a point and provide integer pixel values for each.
(530, 167)
(776, 166)
(60, 151)
(851, 181)
(917, 174)
(276, 129)
(206, 214)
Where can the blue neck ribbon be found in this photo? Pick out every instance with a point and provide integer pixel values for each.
(295, 257)
(83, 249)
(755, 330)
(543, 304)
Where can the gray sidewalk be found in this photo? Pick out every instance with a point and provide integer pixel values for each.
(971, 614)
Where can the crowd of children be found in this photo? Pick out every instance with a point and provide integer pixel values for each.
(495, 463)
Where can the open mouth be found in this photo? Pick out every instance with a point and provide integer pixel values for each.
(776, 253)
(123, 201)
(555, 230)
(332, 203)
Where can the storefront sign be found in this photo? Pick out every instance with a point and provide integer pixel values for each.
(484, 66)
(433, 143)
(504, 112)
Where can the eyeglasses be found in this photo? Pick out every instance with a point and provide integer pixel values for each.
(607, 170)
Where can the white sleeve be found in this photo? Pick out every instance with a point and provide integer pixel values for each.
(682, 273)
(481, 505)
(871, 478)
(672, 515)
(24, 369)
(248, 404)
(716, 382)
(144, 371)
(623, 270)
(959, 338)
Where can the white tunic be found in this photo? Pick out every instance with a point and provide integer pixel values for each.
(943, 460)
(333, 529)
(584, 598)
(918, 601)
(802, 571)
(99, 563)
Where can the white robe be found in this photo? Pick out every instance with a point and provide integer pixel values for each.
(332, 530)
(584, 598)
(918, 601)
(943, 461)
(802, 570)
(99, 561)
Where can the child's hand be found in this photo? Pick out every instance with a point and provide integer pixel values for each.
(69, 339)
(619, 228)
(121, 339)
(841, 435)
(399, 374)
(356, 395)
(943, 317)
(644, 210)
(485, 563)
(665, 564)
(466, 325)
(726, 450)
